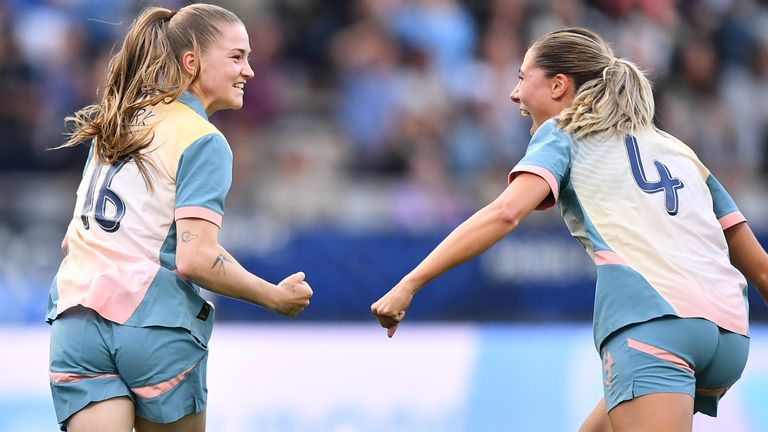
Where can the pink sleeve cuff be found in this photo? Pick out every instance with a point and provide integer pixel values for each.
(199, 213)
(544, 174)
(732, 219)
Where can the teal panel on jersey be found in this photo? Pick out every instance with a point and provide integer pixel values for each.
(550, 148)
(624, 297)
(53, 301)
(204, 174)
(88, 159)
(578, 222)
(722, 202)
(168, 249)
(164, 306)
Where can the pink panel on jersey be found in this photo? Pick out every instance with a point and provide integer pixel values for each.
(729, 318)
(199, 213)
(154, 390)
(732, 219)
(111, 282)
(543, 173)
(660, 353)
(62, 378)
(608, 257)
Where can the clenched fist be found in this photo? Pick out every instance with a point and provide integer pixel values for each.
(293, 295)
(390, 309)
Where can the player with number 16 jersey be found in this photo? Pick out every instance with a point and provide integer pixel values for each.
(129, 328)
(121, 258)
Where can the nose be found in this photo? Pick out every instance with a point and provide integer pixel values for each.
(247, 71)
(515, 95)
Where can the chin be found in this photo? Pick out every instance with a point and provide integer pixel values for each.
(236, 103)
(230, 105)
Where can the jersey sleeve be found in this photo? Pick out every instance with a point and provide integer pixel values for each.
(203, 178)
(548, 156)
(723, 205)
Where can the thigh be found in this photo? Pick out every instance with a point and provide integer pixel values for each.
(657, 412)
(189, 423)
(112, 415)
(81, 368)
(597, 421)
(165, 369)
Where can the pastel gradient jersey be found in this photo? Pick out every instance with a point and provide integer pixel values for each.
(652, 217)
(122, 238)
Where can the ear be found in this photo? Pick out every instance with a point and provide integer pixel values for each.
(560, 86)
(189, 62)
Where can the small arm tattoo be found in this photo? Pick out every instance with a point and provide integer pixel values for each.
(218, 264)
(187, 236)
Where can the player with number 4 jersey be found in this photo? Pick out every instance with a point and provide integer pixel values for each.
(673, 253)
(651, 216)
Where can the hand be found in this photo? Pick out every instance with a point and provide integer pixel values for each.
(390, 309)
(293, 295)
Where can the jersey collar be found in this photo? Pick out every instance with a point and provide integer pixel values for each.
(193, 102)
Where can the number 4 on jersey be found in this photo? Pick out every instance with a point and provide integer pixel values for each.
(666, 182)
(107, 223)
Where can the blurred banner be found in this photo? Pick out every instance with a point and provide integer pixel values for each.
(534, 274)
(351, 378)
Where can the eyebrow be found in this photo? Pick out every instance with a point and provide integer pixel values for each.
(242, 51)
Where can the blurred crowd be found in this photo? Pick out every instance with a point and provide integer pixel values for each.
(395, 114)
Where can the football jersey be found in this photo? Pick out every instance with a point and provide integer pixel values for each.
(121, 260)
(652, 217)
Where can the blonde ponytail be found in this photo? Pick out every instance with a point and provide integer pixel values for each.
(612, 95)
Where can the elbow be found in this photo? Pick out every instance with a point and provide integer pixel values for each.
(760, 281)
(507, 216)
(187, 266)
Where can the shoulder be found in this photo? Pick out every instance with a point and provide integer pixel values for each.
(549, 134)
(182, 127)
(189, 122)
(671, 151)
(548, 127)
(672, 143)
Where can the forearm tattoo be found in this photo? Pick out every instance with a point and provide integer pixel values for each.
(218, 264)
(187, 236)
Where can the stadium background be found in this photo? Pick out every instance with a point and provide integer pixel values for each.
(371, 128)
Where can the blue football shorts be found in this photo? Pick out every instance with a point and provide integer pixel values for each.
(162, 369)
(673, 355)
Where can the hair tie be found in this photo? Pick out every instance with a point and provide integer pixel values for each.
(170, 15)
(611, 63)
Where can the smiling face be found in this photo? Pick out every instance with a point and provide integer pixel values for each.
(540, 97)
(224, 69)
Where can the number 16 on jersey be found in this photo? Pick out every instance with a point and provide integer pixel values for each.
(108, 221)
